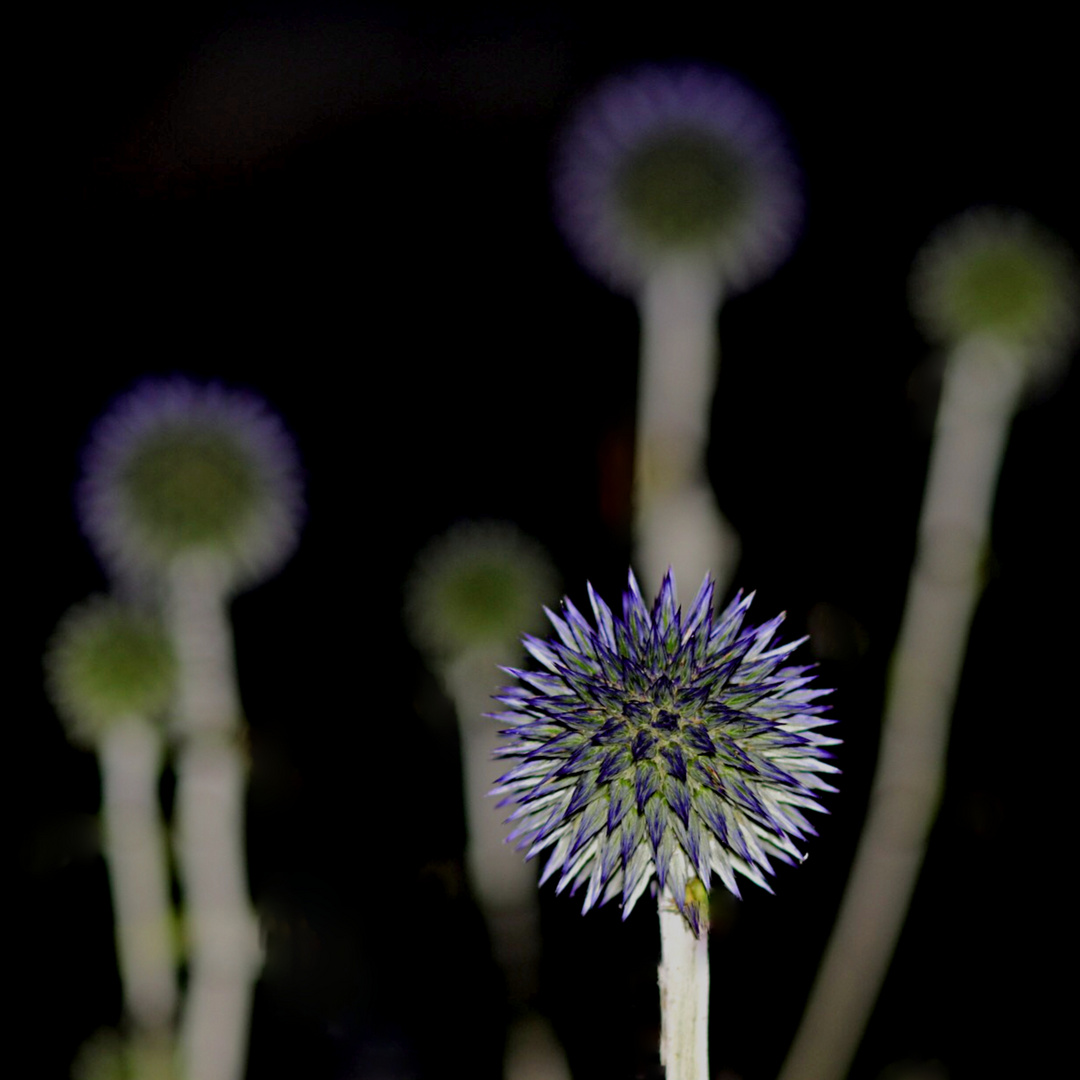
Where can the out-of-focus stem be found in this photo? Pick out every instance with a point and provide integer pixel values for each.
(504, 884)
(979, 395)
(130, 753)
(211, 776)
(676, 520)
(684, 996)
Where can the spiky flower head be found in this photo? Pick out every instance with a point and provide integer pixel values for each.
(476, 587)
(655, 744)
(178, 468)
(1000, 274)
(682, 162)
(106, 662)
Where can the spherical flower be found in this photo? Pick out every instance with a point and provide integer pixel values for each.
(998, 273)
(107, 662)
(661, 745)
(177, 468)
(476, 586)
(683, 162)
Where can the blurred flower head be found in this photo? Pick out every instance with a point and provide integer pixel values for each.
(998, 273)
(107, 662)
(177, 468)
(655, 744)
(681, 162)
(475, 587)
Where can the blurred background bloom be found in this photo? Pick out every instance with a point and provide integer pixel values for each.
(998, 274)
(176, 468)
(108, 661)
(676, 184)
(677, 161)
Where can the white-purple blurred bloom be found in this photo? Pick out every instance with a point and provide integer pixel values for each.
(681, 161)
(177, 468)
(657, 744)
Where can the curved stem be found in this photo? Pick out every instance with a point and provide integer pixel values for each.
(979, 396)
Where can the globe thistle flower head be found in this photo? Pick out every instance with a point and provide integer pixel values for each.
(1000, 274)
(662, 745)
(178, 468)
(107, 662)
(476, 586)
(681, 162)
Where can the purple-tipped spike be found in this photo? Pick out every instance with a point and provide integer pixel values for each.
(665, 762)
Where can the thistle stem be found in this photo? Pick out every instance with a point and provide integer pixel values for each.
(504, 884)
(130, 753)
(684, 996)
(979, 396)
(224, 948)
(676, 519)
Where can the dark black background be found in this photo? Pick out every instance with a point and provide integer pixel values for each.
(346, 209)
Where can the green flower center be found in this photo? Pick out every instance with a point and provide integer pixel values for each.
(484, 602)
(123, 666)
(1003, 289)
(106, 662)
(682, 188)
(192, 488)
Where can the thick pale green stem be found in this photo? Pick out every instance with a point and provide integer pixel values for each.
(211, 777)
(979, 396)
(676, 520)
(684, 996)
(130, 753)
